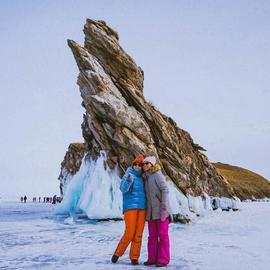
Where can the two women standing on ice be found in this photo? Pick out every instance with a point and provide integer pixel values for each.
(157, 212)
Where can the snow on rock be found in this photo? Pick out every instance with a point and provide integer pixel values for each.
(196, 204)
(178, 201)
(94, 191)
(226, 203)
(236, 203)
(207, 202)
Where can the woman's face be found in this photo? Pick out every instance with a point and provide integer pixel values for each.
(137, 166)
(147, 166)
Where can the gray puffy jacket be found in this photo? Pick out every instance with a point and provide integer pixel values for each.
(157, 193)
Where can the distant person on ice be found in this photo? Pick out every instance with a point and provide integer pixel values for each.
(25, 199)
(158, 213)
(134, 204)
(54, 199)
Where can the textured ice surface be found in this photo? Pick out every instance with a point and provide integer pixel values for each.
(93, 191)
(31, 239)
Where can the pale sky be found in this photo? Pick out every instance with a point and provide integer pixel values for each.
(206, 65)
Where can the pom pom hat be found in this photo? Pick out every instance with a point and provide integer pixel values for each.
(150, 159)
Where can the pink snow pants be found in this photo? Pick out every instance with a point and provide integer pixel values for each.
(158, 241)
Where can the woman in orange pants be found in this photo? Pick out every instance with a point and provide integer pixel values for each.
(134, 209)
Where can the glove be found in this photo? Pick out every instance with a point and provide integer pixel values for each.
(130, 178)
(163, 213)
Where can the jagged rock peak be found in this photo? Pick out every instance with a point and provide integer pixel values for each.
(119, 120)
(103, 26)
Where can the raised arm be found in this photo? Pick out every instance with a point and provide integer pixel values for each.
(126, 182)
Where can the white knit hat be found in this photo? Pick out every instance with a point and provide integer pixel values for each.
(150, 159)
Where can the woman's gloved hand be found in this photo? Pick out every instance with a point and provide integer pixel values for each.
(130, 178)
(163, 213)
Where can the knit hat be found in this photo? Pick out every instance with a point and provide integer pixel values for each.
(150, 159)
(138, 159)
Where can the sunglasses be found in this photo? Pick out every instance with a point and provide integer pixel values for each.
(146, 163)
(137, 164)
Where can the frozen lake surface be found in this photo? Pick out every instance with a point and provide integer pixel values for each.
(32, 238)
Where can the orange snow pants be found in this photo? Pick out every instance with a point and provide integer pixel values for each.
(134, 221)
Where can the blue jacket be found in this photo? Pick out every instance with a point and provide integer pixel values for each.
(133, 190)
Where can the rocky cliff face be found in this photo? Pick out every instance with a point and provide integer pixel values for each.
(119, 120)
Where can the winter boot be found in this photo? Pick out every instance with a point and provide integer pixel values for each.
(114, 258)
(134, 262)
(161, 265)
(148, 263)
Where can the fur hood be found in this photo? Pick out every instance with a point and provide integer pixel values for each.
(155, 168)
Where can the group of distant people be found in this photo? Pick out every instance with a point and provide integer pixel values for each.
(23, 199)
(52, 200)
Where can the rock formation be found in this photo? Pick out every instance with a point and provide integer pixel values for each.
(119, 120)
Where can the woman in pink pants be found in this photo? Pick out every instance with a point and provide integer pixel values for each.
(158, 213)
